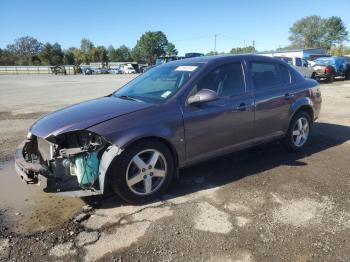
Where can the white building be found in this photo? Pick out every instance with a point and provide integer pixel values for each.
(307, 53)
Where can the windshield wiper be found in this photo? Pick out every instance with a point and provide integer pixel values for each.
(129, 98)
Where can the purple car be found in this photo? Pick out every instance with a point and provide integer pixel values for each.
(174, 115)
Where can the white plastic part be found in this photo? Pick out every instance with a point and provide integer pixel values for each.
(108, 155)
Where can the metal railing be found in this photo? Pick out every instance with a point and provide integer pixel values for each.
(20, 70)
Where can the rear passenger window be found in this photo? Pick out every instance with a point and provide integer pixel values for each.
(285, 76)
(226, 80)
(268, 75)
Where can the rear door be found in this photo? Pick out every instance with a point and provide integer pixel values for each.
(273, 97)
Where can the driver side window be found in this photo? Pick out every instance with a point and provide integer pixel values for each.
(226, 80)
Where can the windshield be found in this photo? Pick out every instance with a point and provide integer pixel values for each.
(159, 83)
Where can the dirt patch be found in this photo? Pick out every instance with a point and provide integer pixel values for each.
(301, 212)
(212, 219)
(121, 238)
(62, 250)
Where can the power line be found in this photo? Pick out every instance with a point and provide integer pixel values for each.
(192, 38)
(244, 40)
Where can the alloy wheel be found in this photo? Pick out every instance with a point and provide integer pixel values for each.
(300, 132)
(146, 172)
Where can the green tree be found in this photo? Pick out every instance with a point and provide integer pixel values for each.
(150, 46)
(111, 54)
(243, 50)
(78, 56)
(336, 32)
(170, 49)
(68, 58)
(52, 54)
(120, 54)
(340, 50)
(7, 58)
(137, 55)
(212, 53)
(99, 54)
(25, 49)
(86, 46)
(315, 31)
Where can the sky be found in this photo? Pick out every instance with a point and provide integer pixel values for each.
(189, 24)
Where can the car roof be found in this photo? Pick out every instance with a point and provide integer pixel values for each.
(221, 58)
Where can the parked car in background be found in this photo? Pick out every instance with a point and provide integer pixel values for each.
(143, 68)
(104, 70)
(174, 115)
(115, 70)
(166, 59)
(58, 69)
(330, 67)
(189, 55)
(129, 69)
(300, 64)
(99, 71)
(86, 70)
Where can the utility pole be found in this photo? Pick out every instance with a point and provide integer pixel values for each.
(215, 43)
(254, 46)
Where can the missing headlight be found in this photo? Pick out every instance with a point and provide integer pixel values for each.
(80, 154)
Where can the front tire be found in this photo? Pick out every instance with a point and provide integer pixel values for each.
(299, 132)
(143, 171)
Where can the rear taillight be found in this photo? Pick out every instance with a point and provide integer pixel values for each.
(328, 70)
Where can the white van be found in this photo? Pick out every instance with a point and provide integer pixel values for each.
(128, 69)
(300, 64)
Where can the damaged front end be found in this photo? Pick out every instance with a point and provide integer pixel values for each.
(73, 163)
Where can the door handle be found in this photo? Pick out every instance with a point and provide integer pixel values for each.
(241, 107)
(288, 96)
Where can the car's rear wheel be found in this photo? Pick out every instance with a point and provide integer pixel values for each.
(331, 78)
(143, 171)
(299, 131)
(347, 75)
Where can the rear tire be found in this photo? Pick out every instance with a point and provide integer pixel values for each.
(299, 132)
(143, 171)
(330, 79)
(347, 75)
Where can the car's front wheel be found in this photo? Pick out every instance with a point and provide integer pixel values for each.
(143, 171)
(299, 131)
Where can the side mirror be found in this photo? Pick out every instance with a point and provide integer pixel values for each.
(204, 95)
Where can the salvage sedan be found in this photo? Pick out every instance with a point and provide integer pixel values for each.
(176, 114)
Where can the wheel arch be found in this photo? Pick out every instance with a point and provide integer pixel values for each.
(163, 140)
(166, 142)
(304, 104)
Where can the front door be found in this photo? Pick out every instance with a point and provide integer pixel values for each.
(216, 127)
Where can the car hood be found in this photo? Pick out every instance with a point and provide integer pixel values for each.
(84, 115)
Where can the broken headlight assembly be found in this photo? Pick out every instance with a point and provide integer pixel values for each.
(77, 154)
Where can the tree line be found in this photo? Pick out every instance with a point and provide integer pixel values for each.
(308, 32)
(29, 51)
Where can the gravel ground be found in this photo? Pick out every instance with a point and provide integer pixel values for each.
(263, 204)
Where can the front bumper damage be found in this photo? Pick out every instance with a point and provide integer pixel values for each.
(62, 175)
